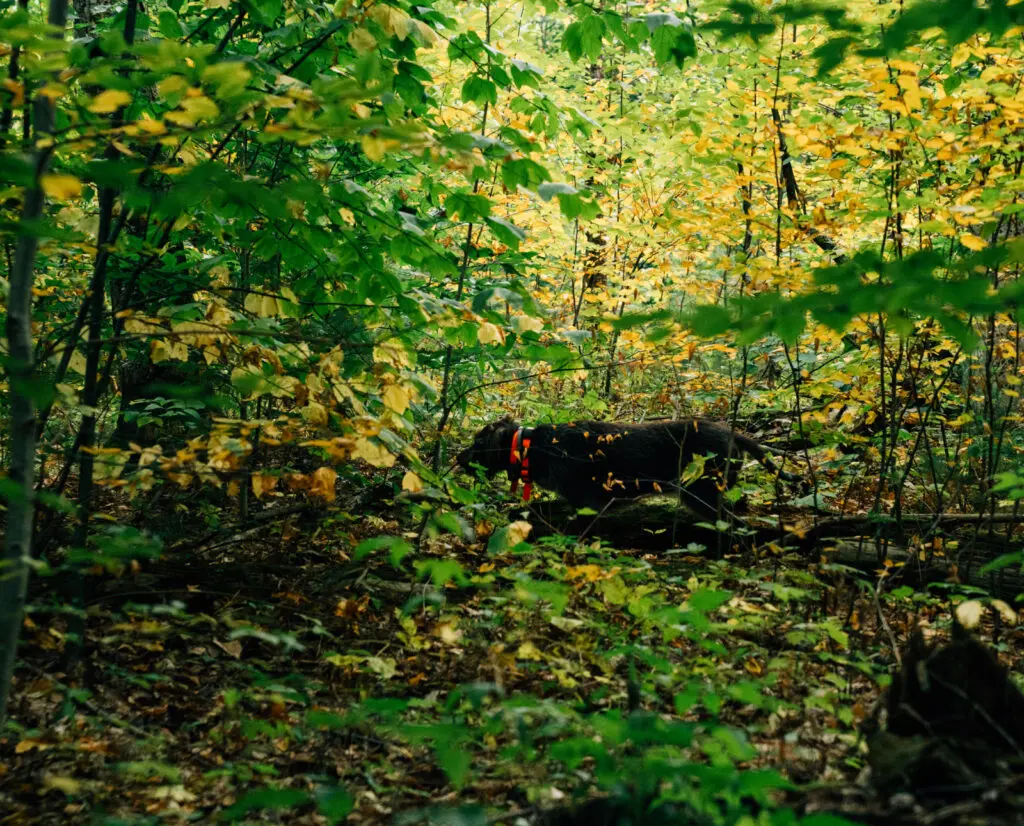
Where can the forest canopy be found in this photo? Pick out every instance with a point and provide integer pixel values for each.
(269, 265)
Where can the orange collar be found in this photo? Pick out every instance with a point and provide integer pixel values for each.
(520, 458)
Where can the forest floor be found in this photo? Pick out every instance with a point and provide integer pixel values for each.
(270, 659)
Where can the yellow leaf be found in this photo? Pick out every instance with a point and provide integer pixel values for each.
(229, 77)
(588, 573)
(110, 462)
(426, 33)
(263, 484)
(284, 387)
(172, 85)
(905, 66)
(77, 363)
(347, 216)
(411, 482)
(61, 187)
(166, 350)
(527, 323)
(315, 414)
(372, 453)
(218, 4)
(396, 398)
(972, 242)
(139, 324)
(489, 334)
(68, 785)
(361, 110)
(392, 20)
(53, 91)
(911, 91)
(197, 333)
(193, 110)
(1005, 611)
(17, 91)
(109, 100)
(264, 306)
(449, 634)
(323, 483)
(278, 102)
(232, 647)
(374, 147)
(28, 744)
(961, 55)
(518, 531)
(529, 651)
(969, 613)
(362, 40)
(392, 353)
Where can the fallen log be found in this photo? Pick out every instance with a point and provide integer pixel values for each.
(925, 546)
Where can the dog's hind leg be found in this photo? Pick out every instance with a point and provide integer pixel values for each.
(705, 499)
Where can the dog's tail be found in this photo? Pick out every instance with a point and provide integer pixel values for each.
(763, 454)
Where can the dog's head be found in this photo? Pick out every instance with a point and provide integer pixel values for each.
(491, 447)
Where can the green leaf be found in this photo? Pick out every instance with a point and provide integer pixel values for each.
(168, 25)
(483, 299)
(505, 231)
(549, 190)
(832, 53)
(502, 540)
(446, 521)
(627, 321)
(837, 634)
(266, 798)
(1015, 558)
(455, 759)
(658, 19)
(479, 90)
(398, 548)
(409, 88)
(572, 40)
(532, 590)
(705, 600)
(467, 207)
(523, 172)
(592, 36)
(708, 320)
(525, 74)
(442, 571)
(266, 11)
(673, 43)
(500, 77)
(825, 819)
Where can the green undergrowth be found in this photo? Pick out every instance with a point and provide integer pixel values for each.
(326, 675)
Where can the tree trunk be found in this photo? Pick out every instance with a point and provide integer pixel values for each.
(21, 472)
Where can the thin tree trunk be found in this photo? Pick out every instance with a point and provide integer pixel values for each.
(21, 471)
(446, 402)
(92, 388)
(13, 70)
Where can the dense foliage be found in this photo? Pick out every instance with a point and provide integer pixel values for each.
(271, 252)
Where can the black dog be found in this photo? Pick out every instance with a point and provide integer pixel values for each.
(593, 463)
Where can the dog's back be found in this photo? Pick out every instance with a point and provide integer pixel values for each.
(590, 463)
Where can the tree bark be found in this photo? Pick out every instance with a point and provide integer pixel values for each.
(21, 368)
